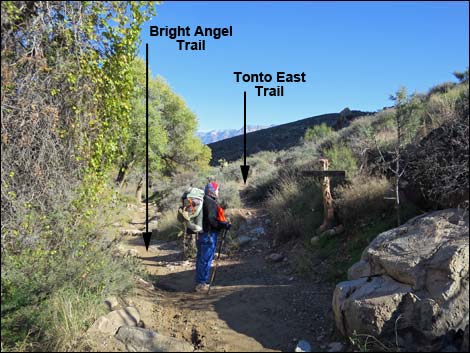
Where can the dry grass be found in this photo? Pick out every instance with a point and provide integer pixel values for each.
(363, 199)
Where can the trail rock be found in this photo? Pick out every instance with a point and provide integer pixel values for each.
(275, 257)
(417, 273)
(133, 232)
(335, 347)
(333, 231)
(110, 323)
(243, 239)
(139, 339)
(112, 303)
(314, 240)
(258, 231)
(303, 346)
(145, 284)
(132, 253)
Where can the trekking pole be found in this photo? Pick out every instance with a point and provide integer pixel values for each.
(217, 260)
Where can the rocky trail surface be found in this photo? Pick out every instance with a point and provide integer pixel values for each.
(258, 303)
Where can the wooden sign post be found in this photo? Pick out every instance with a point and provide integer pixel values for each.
(325, 173)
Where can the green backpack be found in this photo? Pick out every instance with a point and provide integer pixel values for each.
(190, 211)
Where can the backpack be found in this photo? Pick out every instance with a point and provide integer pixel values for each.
(221, 214)
(191, 207)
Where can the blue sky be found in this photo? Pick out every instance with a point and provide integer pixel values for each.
(354, 55)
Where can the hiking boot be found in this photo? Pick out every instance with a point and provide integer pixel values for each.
(201, 287)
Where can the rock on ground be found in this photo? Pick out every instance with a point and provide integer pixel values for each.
(133, 232)
(303, 346)
(275, 257)
(243, 239)
(132, 253)
(414, 276)
(111, 322)
(139, 339)
(112, 303)
(335, 347)
(144, 283)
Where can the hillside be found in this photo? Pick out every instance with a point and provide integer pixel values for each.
(217, 135)
(275, 138)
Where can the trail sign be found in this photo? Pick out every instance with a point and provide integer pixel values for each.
(325, 173)
(328, 210)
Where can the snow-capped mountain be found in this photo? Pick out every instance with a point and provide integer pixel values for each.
(217, 135)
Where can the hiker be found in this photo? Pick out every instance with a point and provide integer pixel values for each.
(207, 240)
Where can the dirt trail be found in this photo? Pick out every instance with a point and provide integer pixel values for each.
(255, 305)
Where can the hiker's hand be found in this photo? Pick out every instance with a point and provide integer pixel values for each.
(227, 225)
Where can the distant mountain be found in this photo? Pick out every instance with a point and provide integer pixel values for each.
(218, 135)
(279, 137)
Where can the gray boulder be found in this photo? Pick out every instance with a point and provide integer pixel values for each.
(411, 277)
(139, 339)
(110, 323)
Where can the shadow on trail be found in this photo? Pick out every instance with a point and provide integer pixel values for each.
(227, 276)
(266, 308)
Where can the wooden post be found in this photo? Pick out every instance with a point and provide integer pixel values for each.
(328, 210)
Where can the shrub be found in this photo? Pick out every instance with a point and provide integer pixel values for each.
(342, 158)
(168, 226)
(53, 297)
(295, 207)
(441, 88)
(229, 195)
(439, 166)
(363, 199)
(318, 132)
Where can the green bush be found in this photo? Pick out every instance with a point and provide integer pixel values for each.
(318, 132)
(50, 298)
(342, 158)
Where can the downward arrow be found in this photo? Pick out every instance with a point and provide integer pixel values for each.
(147, 235)
(244, 168)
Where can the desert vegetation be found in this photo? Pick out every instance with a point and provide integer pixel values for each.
(72, 119)
(73, 163)
(399, 162)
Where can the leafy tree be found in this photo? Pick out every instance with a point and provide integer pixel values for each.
(173, 145)
(405, 126)
(185, 150)
(134, 149)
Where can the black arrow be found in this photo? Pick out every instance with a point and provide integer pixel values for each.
(147, 235)
(245, 168)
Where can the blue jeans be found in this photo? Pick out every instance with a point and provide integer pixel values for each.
(206, 244)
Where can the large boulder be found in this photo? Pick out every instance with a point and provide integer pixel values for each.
(413, 278)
